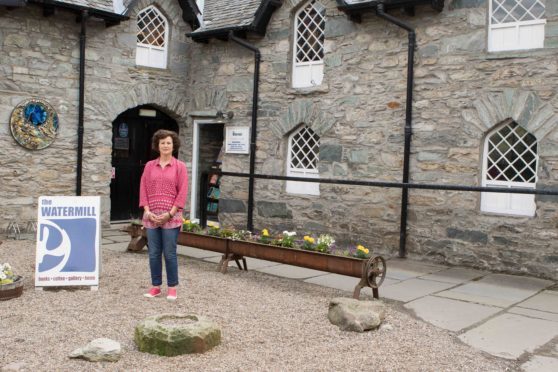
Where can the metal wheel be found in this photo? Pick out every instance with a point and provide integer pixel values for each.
(375, 271)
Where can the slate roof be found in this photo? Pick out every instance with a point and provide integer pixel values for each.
(104, 5)
(222, 16)
(225, 13)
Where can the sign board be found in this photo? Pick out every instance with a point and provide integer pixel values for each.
(68, 236)
(121, 143)
(237, 140)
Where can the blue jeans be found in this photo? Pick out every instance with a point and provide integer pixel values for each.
(162, 242)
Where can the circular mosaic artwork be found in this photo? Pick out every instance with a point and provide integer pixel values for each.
(34, 124)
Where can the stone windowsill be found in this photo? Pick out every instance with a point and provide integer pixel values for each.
(510, 54)
(324, 88)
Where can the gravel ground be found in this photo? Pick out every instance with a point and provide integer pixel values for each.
(268, 323)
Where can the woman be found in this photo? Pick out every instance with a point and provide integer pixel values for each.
(163, 189)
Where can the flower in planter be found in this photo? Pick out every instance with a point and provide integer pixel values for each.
(286, 240)
(213, 231)
(324, 243)
(264, 237)
(6, 274)
(362, 252)
(190, 226)
(308, 243)
(241, 235)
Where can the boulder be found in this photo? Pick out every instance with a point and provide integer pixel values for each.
(171, 335)
(100, 349)
(354, 315)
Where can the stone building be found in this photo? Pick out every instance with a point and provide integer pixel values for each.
(332, 104)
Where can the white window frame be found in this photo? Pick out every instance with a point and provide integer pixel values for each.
(521, 35)
(308, 73)
(502, 203)
(151, 55)
(296, 187)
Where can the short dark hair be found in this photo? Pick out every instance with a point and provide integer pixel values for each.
(162, 134)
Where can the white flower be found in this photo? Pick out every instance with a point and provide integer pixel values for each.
(7, 267)
(3, 276)
(289, 233)
(326, 239)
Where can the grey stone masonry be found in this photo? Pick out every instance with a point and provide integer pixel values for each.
(461, 92)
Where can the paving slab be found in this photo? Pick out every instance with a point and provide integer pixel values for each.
(119, 238)
(292, 272)
(450, 314)
(510, 335)
(400, 269)
(196, 252)
(455, 275)
(540, 363)
(544, 301)
(497, 290)
(117, 247)
(534, 313)
(412, 289)
(345, 283)
(113, 232)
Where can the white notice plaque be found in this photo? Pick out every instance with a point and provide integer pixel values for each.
(237, 140)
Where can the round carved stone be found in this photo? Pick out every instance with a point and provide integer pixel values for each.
(175, 334)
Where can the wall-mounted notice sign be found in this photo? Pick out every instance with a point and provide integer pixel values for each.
(68, 232)
(237, 140)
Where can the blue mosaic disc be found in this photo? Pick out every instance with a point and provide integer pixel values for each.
(34, 124)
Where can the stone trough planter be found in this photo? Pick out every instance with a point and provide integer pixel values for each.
(371, 271)
(11, 290)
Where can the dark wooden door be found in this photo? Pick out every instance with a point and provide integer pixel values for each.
(131, 150)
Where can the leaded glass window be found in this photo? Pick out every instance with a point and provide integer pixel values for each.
(510, 160)
(152, 38)
(516, 24)
(309, 42)
(302, 159)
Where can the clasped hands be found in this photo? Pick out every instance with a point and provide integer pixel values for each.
(159, 220)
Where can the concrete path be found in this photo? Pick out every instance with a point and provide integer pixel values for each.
(508, 316)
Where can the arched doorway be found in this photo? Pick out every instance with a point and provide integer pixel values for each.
(131, 149)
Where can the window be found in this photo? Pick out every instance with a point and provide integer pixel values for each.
(308, 54)
(302, 161)
(516, 24)
(152, 40)
(510, 160)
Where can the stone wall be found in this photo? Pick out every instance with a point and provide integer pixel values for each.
(359, 111)
(40, 58)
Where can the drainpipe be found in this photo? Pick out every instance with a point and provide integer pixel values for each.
(408, 124)
(253, 133)
(81, 100)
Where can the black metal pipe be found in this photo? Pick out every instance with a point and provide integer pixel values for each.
(401, 185)
(82, 38)
(254, 129)
(408, 124)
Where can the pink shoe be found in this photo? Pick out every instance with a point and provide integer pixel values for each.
(171, 294)
(153, 292)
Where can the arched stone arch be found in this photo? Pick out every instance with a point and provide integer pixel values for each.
(302, 111)
(169, 101)
(525, 108)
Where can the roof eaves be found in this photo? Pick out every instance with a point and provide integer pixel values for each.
(110, 18)
(258, 24)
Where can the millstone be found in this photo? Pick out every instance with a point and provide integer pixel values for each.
(176, 334)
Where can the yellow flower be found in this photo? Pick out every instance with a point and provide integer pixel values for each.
(186, 221)
(265, 232)
(309, 239)
(366, 250)
(362, 248)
